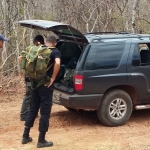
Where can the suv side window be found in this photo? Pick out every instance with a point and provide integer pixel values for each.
(141, 55)
(144, 51)
(104, 56)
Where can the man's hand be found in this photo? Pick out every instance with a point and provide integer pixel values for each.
(51, 82)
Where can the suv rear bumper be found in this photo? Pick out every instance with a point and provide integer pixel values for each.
(91, 101)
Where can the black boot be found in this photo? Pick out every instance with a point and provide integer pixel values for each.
(42, 142)
(26, 139)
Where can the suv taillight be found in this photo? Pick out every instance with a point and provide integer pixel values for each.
(78, 82)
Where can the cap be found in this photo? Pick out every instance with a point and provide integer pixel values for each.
(3, 38)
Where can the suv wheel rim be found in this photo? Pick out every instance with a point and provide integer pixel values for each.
(117, 108)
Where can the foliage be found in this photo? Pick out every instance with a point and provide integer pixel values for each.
(85, 15)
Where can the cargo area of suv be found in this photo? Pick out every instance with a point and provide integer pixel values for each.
(70, 53)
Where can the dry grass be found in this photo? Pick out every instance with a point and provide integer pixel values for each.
(11, 85)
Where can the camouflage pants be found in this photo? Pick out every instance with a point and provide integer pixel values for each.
(26, 102)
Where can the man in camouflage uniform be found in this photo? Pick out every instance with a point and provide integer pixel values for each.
(26, 100)
(38, 40)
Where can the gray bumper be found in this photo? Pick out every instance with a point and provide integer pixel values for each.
(76, 101)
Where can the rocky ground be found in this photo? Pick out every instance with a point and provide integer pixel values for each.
(79, 130)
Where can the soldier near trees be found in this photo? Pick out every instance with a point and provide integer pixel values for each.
(38, 40)
(42, 91)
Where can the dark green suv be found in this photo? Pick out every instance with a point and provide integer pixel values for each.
(111, 71)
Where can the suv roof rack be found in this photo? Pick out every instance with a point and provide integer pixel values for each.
(118, 36)
(121, 32)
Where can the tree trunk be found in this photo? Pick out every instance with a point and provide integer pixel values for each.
(134, 15)
(4, 52)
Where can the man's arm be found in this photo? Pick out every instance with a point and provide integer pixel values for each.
(55, 71)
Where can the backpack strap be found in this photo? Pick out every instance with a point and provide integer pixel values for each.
(38, 50)
(52, 63)
(49, 67)
(51, 47)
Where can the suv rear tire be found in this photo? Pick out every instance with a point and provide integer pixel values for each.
(115, 109)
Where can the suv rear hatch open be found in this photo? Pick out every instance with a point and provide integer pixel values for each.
(71, 43)
(63, 31)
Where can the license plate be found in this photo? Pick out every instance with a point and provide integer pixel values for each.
(56, 95)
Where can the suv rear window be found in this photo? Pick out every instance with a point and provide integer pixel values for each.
(104, 56)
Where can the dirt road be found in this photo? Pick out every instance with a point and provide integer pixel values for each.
(73, 130)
